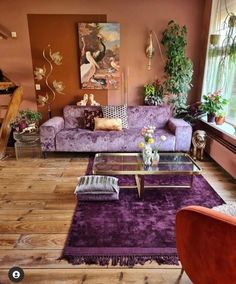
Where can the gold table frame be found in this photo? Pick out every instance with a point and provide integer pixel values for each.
(142, 171)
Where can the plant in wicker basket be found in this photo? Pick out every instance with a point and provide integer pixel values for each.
(26, 121)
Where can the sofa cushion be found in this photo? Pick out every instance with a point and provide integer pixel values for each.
(148, 115)
(84, 140)
(74, 115)
(116, 112)
(108, 124)
(89, 116)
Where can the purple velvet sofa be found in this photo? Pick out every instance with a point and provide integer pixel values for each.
(67, 133)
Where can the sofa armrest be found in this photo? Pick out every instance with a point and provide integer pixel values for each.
(48, 132)
(183, 133)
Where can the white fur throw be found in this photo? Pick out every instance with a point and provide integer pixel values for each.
(228, 209)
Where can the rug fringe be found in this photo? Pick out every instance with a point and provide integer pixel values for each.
(130, 260)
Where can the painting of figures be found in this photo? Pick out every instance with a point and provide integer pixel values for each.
(99, 45)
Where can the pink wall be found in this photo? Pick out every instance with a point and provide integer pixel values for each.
(136, 19)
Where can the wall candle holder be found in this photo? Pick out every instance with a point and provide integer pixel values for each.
(41, 73)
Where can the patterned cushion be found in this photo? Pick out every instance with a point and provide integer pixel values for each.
(116, 112)
(228, 209)
(89, 118)
(97, 188)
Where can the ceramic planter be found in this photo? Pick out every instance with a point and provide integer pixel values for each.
(219, 120)
(211, 117)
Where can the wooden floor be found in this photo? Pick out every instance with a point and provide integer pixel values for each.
(36, 207)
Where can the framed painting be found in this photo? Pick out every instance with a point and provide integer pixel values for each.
(99, 45)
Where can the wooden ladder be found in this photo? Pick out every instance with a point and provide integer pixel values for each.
(11, 113)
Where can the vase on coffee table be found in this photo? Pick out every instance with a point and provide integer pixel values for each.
(155, 158)
(147, 154)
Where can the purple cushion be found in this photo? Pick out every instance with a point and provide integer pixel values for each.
(89, 116)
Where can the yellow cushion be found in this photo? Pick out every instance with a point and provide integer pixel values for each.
(108, 124)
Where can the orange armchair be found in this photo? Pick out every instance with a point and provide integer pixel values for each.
(206, 245)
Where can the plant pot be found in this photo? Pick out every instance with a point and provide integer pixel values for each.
(219, 120)
(211, 117)
(214, 39)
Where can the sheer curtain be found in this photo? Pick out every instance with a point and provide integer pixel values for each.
(220, 71)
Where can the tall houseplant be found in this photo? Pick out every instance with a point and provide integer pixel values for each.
(179, 68)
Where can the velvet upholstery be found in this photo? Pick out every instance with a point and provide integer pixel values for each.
(206, 245)
(69, 134)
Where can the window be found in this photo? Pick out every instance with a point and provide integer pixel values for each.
(220, 70)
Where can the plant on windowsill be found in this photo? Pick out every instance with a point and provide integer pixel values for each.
(220, 118)
(153, 93)
(213, 103)
(179, 68)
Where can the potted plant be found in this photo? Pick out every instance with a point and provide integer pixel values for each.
(179, 68)
(213, 103)
(153, 93)
(26, 121)
(220, 118)
(191, 113)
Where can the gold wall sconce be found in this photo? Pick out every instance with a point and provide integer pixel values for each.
(150, 50)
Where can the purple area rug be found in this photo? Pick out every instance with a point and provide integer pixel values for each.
(132, 231)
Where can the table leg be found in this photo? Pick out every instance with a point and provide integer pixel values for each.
(140, 185)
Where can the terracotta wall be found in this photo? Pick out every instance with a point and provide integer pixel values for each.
(136, 17)
(61, 32)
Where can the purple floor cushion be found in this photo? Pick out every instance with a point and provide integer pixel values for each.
(132, 231)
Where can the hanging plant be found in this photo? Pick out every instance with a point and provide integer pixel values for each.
(227, 49)
(179, 68)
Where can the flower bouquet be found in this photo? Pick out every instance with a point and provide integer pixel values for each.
(148, 155)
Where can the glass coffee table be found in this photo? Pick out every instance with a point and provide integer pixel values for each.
(132, 164)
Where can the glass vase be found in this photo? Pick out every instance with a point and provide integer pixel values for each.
(155, 158)
(147, 154)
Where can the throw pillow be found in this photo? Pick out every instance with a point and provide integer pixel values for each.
(97, 188)
(116, 112)
(89, 118)
(108, 124)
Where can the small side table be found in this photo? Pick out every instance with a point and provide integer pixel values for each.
(27, 145)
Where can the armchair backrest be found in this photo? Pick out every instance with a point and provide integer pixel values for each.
(206, 245)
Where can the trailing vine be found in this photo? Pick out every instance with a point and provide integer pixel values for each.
(179, 68)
